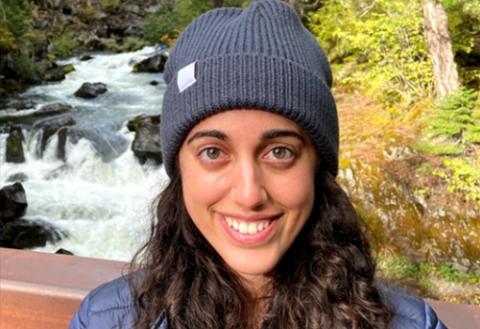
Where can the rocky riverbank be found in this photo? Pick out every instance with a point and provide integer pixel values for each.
(60, 28)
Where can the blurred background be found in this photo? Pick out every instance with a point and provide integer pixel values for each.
(80, 104)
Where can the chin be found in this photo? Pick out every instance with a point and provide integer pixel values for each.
(252, 263)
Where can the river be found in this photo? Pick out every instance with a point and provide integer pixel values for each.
(101, 199)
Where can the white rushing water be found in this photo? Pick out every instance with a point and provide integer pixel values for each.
(103, 203)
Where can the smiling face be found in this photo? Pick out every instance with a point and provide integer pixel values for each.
(248, 185)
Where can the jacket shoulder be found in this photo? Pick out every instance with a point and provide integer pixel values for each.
(409, 311)
(106, 307)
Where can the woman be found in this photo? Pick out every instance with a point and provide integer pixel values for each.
(252, 230)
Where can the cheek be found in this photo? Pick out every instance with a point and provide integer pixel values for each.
(295, 191)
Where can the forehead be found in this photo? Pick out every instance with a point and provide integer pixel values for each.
(246, 121)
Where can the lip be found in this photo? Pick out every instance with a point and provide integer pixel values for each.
(247, 239)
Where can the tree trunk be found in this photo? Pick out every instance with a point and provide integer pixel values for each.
(440, 47)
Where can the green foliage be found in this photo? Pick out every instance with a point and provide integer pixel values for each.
(379, 47)
(65, 45)
(132, 44)
(25, 67)
(170, 21)
(464, 23)
(398, 266)
(438, 147)
(14, 22)
(462, 176)
(457, 117)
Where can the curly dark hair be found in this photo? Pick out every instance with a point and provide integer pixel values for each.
(326, 279)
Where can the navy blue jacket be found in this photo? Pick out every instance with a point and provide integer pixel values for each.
(110, 306)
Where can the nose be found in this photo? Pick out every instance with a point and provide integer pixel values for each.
(249, 190)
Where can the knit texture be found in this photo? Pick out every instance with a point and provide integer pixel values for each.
(260, 57)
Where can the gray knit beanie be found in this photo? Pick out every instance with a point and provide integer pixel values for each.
(260, 57)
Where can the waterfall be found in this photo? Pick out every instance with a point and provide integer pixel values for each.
(100, 196)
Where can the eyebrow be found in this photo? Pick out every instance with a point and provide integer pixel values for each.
(271, 134)
(208, 133)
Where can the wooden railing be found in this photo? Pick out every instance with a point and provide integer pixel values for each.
(42, 291)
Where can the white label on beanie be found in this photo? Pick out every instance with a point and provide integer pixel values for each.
(186, 77)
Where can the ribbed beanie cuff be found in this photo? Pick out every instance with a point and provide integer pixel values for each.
(258, 58)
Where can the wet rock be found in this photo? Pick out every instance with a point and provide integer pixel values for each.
(91, 90)
(86, 58)
(13, 202)
(62, 134)
(22, 234)
(62, 251)
(154, 64)
(52, 126)
(108, 144)
(22, 104)
(53, 109)
(154, 83)
(18, 177)
(146, 145)
(39, 115)
(58, 73)
(14, 151)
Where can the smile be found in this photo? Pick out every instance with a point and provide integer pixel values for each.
(250, 230)
(244, 227)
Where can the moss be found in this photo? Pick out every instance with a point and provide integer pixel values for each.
(68, 68)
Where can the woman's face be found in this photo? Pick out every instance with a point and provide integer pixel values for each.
(248, 185)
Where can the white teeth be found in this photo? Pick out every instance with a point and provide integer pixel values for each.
(252, 228)
(247, 227)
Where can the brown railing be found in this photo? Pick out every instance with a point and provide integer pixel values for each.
(41, 291)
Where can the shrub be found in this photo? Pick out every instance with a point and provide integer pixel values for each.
(64, 45)
(457, 117)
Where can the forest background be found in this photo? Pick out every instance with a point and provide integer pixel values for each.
(410, 150)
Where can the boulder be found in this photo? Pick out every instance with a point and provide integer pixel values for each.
(50, 110)
(108, 144)
(154, 83)
(22, 234)
(91, 90)
(53, 109)
(22, 104)
(13, 202)
(153, 64)
(14, 151)
(52, 126)
(18, 177)
(86, 58)
(146, 145)
(58, 73)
